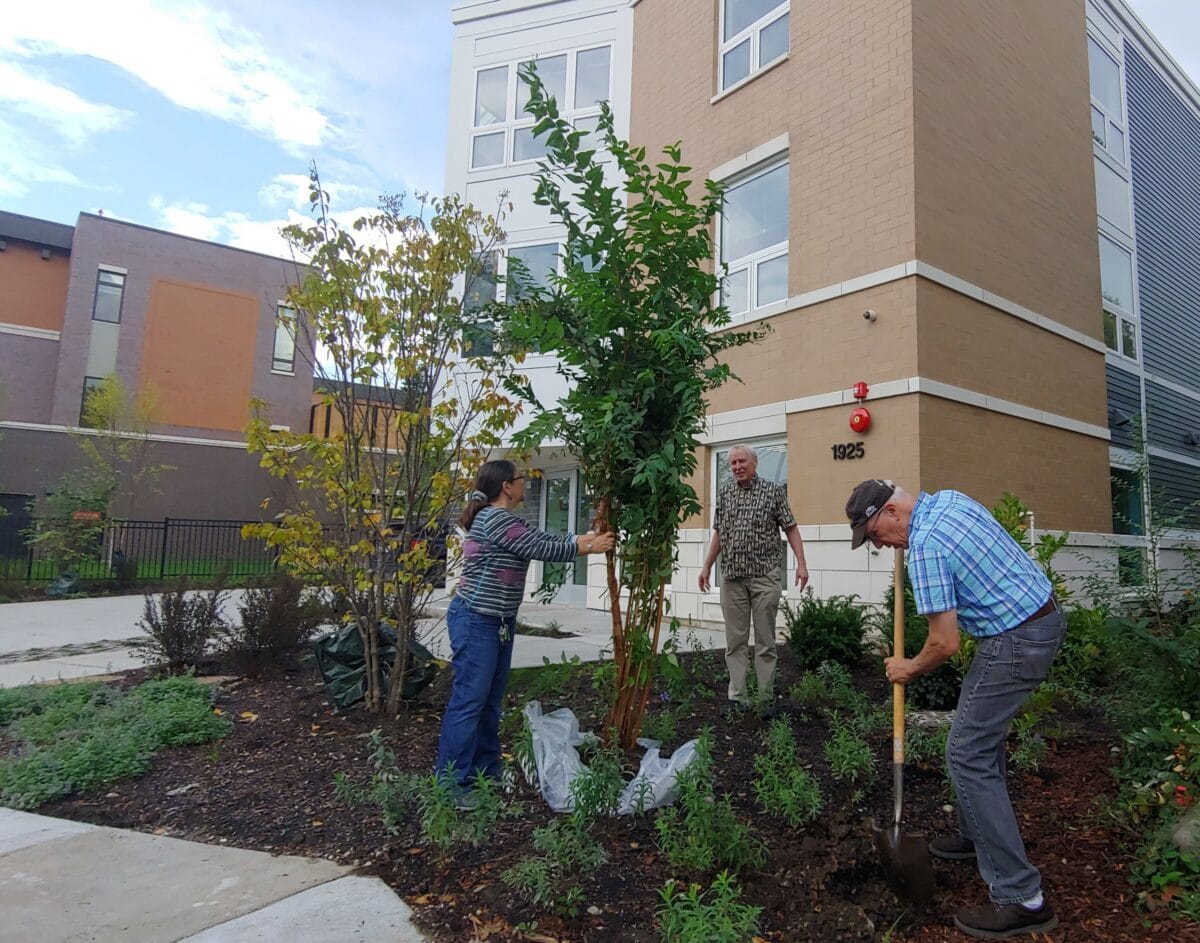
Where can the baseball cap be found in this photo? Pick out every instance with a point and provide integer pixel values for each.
(866, 500)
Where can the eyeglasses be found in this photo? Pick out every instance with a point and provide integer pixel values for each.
(515, 478)
(872, 532)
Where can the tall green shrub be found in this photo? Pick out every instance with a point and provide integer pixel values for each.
(821, 630)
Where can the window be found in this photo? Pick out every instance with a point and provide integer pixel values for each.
(754, 33)
(90, 384)
(772, 466)
(1116, 285)
(1112, 197)
(536, 265)
(499, 279)
(1129, 517)
(479, 337)
(754, 240)
(1108, 113)
(503, 131)
(283, 359)
(110, 290)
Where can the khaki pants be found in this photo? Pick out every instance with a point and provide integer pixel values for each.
(752, 600)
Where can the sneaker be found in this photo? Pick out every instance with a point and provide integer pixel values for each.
(1001, 921)
(466, 800)
(952, 848)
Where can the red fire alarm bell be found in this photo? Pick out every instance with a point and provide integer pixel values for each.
(860, 420)
(861, 390)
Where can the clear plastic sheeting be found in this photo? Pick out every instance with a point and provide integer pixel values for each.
(556, 742)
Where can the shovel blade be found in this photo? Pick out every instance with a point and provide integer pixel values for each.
(905, 859)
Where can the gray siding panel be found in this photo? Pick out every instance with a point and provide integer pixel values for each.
(1164, 145)
(1175, 492)
(1169, 417)
(1124, 400)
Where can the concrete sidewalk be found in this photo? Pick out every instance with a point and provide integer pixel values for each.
(67, 881)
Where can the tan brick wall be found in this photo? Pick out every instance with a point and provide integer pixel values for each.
(969, 344)
(1063, 477)
(818, 485)
(1005, 192)
(33, 290)
(824, 347)
(844, 97)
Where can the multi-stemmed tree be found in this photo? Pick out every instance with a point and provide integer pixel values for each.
(635, 321)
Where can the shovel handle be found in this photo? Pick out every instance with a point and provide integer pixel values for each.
(898, 651)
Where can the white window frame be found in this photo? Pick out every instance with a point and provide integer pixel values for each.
(281, 323)
(501, 273)
(1124, 317)
(753, 32)
(751, 263)
(758, 445)
(1110, 121)
(513, 122)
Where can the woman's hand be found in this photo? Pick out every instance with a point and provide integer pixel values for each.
(591, 542)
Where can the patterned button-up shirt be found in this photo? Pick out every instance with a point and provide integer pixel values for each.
(959, 557)
(749, 520)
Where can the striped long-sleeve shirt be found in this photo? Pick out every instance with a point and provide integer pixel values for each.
(496, 554)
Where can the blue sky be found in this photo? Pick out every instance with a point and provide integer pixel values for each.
(201, 116)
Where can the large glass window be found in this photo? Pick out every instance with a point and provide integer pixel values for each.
(577, 80)
(110, 291)
(1116, 285)
(479, 337)
(283, 359)
(90, 385)
(754, 33)
(1112, 197)
(534, 269)
(1108, 114)
(754, 240)
(1129, 517)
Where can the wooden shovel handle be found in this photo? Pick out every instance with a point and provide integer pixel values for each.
(898, 651)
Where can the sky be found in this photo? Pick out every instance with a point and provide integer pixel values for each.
(202, 116)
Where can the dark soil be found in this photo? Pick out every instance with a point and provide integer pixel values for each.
(270, 786)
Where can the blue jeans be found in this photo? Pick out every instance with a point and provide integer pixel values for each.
(1006, 668)
(470, 737)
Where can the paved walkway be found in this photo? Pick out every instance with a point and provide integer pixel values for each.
(67, 881)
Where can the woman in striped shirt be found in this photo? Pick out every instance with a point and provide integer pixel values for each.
(496, 553)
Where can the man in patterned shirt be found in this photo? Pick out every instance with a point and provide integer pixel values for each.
(749, 515)
(967, 572)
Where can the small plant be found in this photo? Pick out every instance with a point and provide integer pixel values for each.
(782, 786)
(810, 691)
(848, 754)
(551, 878)
(596, 791)
(180, 626)
(926, 746)
(688, 917)
(661, 726)
(275, 619)
(700, 831)
(442, 824)
(820, 630)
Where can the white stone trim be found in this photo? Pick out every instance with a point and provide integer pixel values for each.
(748, 79)
(114, 269)
(153, 436)
(22, 330)
(1171, 456)
(751, 158)
(772, 416)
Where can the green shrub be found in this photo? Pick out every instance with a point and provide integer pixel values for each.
(939, 689)
(687, 917)
(1157, 664)
(275, 619)
(809, 691)
(820, 630)
(78, 738)
(926, 746)
(700, 831)
(783, 787)
(180, 626)
(661, 726)
(848, 754)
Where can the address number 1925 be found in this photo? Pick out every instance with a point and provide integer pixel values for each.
(847, 450)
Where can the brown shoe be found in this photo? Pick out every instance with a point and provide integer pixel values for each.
(1001, 921)
(952, 848)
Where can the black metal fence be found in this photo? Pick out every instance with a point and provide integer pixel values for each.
(142, 550)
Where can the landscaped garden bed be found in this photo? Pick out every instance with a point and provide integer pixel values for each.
(271, 784)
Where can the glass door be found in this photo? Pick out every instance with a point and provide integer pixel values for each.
(567, 511)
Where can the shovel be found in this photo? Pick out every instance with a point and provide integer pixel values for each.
(905, 856)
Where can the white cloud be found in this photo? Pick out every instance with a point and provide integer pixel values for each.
(293, 190)
(23, 165)
(197, 58)
(72, 117)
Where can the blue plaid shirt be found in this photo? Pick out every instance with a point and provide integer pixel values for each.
(959, 557)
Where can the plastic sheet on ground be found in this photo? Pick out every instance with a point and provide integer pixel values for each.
(343, 665)
(556, 742)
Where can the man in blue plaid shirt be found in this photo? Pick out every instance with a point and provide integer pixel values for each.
(968, 573)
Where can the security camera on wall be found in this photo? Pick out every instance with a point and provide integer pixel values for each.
(870, 315)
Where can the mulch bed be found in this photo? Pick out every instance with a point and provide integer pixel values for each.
(270, 786)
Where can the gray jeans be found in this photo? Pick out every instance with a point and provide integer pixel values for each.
(1006, 668)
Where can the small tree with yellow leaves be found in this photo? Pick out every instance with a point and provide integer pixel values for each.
(411, 413)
